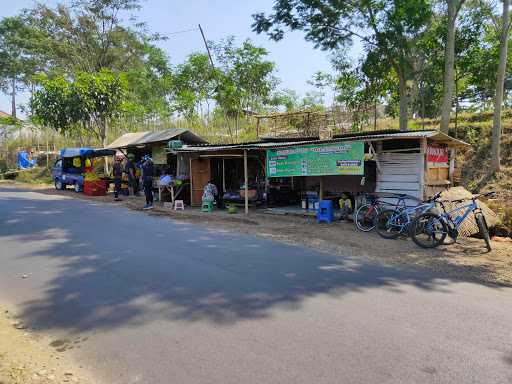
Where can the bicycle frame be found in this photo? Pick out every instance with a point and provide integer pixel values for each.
(457, 221)
(407, 213)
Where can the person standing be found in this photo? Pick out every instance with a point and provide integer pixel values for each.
(117, 171)
(148, 172)
(129, 169)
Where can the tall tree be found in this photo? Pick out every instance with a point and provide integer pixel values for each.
(388, 28)
(449, 58)
(245, 77)
(194, 84)
(17, 63)
(86, 103)
(500, 80)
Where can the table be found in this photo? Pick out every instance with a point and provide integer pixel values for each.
(171, 188)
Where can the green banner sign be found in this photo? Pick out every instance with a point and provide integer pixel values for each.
(345, 158)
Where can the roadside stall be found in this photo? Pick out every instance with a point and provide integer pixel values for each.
(76, 167)
(298, 173)
(168, 166)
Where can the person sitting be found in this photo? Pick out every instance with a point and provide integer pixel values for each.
(210, 191)
(345, 206)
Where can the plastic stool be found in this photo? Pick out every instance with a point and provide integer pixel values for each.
(325, 212)
(178, 204)
(207, 206)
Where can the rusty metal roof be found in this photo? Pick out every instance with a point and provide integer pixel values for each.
(134, 139)
(370, 136)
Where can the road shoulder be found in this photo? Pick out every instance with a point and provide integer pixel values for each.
(29, 358)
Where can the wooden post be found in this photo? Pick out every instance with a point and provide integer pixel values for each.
(452, 165)
(223, 174)
(321, 192)
(190, 176)
(423, 165)
(257, 127)
(246, 178)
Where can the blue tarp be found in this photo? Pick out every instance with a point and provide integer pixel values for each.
(23, 162)
(74, 152)
(89, 152)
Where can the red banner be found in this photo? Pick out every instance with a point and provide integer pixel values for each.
(437, 156)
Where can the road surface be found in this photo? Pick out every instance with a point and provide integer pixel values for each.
(138, 298)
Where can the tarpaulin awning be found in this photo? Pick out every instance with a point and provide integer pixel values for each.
(86, 152)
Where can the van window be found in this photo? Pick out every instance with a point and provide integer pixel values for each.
(58, 163)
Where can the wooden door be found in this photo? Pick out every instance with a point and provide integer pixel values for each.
(200, 175)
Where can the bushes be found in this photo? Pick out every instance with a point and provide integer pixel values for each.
(504, 225)
(35, 175)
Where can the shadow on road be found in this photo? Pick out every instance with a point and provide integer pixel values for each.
(119, 267)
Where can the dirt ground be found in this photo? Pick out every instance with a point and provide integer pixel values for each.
(27, 358)
(468, 259)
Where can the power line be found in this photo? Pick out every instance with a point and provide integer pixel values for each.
(178, 32)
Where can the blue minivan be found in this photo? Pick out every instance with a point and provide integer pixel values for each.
(69, 168)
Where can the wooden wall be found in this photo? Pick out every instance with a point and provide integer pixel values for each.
(401, 173)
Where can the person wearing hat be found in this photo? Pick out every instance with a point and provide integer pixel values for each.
(148, 172)
(117, 171)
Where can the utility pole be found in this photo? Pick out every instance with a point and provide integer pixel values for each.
(206, 45)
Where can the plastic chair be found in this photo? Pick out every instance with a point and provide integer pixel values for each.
(207, 206)
(325, 212)
(178, 204)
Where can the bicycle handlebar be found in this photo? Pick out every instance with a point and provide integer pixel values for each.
(474, 197)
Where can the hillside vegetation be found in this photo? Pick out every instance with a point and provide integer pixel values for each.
(475, 129)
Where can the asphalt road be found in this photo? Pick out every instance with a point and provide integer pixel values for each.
(142, 299)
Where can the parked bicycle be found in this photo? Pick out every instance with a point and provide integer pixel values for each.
(391, 223)
(430, 229)
(366, 214)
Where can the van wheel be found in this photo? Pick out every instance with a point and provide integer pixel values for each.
(77, 188)
(58, 184)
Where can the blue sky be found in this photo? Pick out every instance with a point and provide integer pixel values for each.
(295, 58)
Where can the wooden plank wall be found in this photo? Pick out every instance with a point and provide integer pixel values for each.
(400, 173)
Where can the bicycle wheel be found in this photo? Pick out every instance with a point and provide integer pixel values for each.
(428, 230)
(484, 230)
(388, 224)
(365, 217)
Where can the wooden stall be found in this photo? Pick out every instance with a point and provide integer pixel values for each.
(416, 163)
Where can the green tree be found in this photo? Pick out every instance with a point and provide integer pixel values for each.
(194, 84)
(246, 79)
(17, 61)
(91, 35)
(88, 102)
(453, 8)
(390, 29)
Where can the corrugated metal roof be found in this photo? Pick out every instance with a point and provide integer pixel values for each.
(434, 135)
(134, 139)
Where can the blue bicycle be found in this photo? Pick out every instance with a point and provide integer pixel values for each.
(391, 223)
(429, 230)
